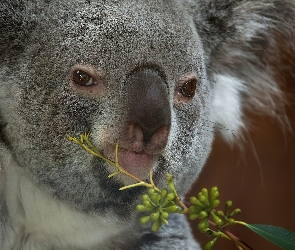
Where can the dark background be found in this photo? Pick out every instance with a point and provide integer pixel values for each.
(263, 186)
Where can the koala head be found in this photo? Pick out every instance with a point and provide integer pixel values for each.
(130, 72)
(153, 76)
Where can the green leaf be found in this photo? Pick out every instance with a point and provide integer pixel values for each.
(279, 236)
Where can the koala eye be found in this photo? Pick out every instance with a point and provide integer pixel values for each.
(188, 89)
(82, 78)
(88, 81)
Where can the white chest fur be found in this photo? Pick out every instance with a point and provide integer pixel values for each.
(43, 220)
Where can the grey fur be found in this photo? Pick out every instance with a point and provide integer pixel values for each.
(53, 194)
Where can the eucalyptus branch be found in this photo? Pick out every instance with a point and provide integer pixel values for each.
(160, 203)
(228, 235)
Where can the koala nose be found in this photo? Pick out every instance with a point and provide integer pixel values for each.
(149, 114)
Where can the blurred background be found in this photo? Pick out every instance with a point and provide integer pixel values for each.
(260, 178)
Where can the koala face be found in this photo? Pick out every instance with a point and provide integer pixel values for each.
(131, 72)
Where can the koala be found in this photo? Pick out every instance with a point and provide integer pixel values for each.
(157, 77)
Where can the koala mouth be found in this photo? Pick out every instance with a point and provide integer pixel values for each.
(131, 160)
(136, 163)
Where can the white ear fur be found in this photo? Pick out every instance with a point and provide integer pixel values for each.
(245, 41)
(226, 106)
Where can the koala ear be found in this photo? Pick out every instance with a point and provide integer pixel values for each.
(245, 42)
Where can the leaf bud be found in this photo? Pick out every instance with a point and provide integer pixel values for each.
(235, 212)
(169, 177)
(156, 225)
(155, 198)
(148, 204)
(142, 208)
(204, 191)
(164, 193)
(195, 210)
(164, 215)
(196, 202)
(155, 216)
(208, 232)
(228, 204)
(203, 199)
(220, 213)
(210, 244)
(144, 219)
(193, 216)
(214, 193)
(170, 197)
(171, 209)
(152, 191)
(203, 224)
(215, 203)
(231, 221)
(145, 197)
(165, 222)
(218, 221)
(203, 215)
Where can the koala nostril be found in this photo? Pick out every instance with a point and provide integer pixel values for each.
(135, 137)
(158, 140)
(153, 141)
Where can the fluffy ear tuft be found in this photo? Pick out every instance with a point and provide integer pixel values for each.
(245, 42)
(226, 105)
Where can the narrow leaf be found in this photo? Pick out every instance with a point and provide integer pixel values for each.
(279, 236)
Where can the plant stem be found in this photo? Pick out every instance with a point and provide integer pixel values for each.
(236, 240)
(181, 204)
(152, 182)
(151, 178)
(138, 184)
